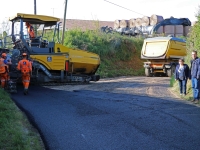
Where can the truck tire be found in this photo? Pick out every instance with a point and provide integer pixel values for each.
(171, 71)
(147, 72)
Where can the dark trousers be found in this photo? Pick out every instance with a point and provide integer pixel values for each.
(195, 88)
(182, 86)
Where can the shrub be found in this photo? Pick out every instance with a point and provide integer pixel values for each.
(193, 41)
(105, 45)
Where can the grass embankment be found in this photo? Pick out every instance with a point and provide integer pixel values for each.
(175, 88)
(15, 130)
(119, 57)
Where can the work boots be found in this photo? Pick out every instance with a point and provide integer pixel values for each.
(25, 91)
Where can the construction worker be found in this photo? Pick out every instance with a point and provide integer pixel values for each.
(30, 30)
(4, 71)
(25, 66)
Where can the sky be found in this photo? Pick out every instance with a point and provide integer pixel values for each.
(102, 10)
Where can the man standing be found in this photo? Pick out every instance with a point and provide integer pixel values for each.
(30, 30)
(195, 76)
(4, 70)
(25, 67)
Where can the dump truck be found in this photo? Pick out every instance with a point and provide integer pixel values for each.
(51, 61)
(162, 54)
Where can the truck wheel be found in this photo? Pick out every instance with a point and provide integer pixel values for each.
(147, 72)
(171, 71)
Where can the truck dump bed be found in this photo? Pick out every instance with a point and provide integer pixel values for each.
(163, 48)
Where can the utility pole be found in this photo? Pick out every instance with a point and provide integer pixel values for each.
(64, 20)
(35, 12)
(35, 7)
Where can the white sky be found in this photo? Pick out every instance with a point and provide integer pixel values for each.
(102, 10)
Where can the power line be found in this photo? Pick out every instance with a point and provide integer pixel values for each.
(124, 8)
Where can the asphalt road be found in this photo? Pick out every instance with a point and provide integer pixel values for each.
(96, 120)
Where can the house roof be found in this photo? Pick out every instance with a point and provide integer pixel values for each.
(86, 24)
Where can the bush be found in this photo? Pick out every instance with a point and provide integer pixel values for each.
(193, 41)
(109, 45)
(114, 50)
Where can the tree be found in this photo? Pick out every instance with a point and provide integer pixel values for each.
(4, 34)
(5, 26)
(193, 41)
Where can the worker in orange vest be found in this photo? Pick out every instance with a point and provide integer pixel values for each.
(30, 30)
(25, 66)
(4, 71)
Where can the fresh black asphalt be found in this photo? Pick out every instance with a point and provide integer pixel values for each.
(90, 120)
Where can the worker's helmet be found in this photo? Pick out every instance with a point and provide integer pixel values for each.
(3, 55)
(24, 54)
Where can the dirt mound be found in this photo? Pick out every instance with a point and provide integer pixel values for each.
(135, 63)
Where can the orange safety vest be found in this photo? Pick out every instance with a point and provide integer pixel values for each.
(31, 31)
(3, 66)
(25, 66)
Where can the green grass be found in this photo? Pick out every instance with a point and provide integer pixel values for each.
(15, 130)
(172, 81)
(175, 88)
(108, 68)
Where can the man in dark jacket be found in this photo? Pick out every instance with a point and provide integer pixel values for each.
(195, 76)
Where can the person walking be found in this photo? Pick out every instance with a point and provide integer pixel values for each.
(182, 73)
(195, 76)
(4, 70)
(25, 66)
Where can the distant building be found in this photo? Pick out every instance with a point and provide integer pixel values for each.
(86, 24)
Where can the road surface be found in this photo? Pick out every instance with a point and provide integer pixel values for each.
(112, 114)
